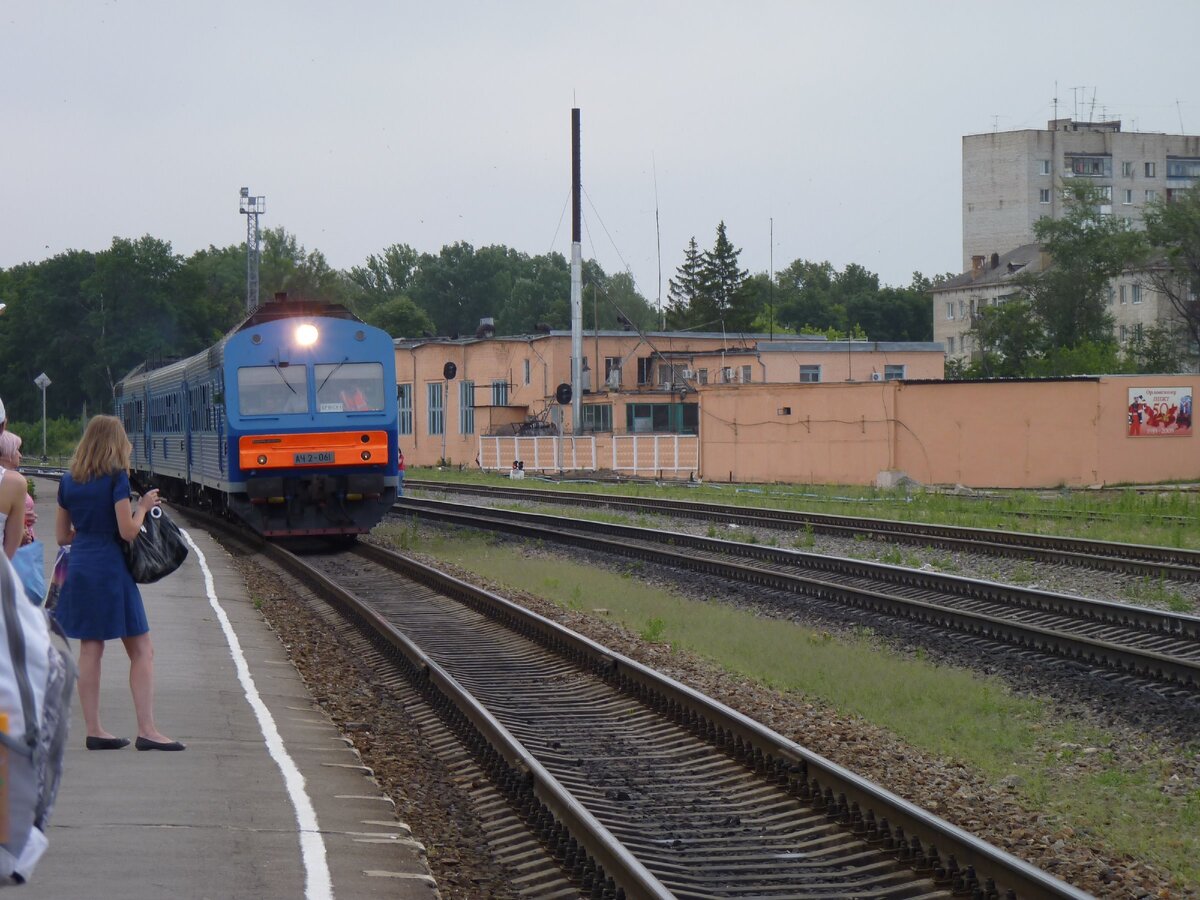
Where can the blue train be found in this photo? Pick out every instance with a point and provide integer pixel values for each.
(288, 423)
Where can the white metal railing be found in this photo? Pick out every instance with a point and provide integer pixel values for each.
(540, 453)
(655, 453)
(646, 454)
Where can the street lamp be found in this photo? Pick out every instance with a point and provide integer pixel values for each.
(43, 382)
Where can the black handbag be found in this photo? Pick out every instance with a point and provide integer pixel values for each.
(157, 551)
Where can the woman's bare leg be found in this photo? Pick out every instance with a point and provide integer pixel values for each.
(141, 685)
(90, 654)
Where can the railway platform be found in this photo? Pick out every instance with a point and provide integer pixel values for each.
(268, 800)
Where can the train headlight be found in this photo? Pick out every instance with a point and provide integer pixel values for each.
(306, 334)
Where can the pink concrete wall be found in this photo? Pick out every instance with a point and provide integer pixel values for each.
(1011, 434)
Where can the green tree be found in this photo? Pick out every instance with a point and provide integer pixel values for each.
(285, 266)
(400, 317)
(686, 291)
(1173, 231)
(1009, 339)
(1088, 249)
(1158, 349)
(723, 281)
(384, 277)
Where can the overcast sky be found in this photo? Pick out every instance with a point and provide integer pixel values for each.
(366, 124)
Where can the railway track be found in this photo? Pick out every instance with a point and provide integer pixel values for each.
(1161, 648)
(636, 785)
(1135, 559)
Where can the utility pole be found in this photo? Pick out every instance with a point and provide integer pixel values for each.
(252, 208)
(576, 281)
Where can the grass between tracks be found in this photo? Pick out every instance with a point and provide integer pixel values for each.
(1064, 769)
(1166, 517)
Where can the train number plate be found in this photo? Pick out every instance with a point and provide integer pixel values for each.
(313, 458)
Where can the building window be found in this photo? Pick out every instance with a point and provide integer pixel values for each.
(950, 345)
(962, 309)
(1137, 293)
(746, 375)
(1043, 167)
(1128, 220)
(726, 375)
(528, 371)
(404, 399)
(1093, 166)
(702, 376)
(1106, 192)
(1128, 197)
(1122, 290)
(1127, 169)
(436, 411)
(810, 374)
(1183, 168)
(670, 418)
(1112, 295)
(1044, 195)
(1124, 333)
(466, 407)
(596, 417)
(893, 373)
(645, 369)
(950, 309)
(500, 393)
(612, 371)
(1150, 170)
(1151, 195)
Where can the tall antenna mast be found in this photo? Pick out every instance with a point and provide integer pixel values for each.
(252, 208)
(771, 280)
(662, 314)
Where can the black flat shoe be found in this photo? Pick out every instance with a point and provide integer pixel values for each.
(147, 744)
(99, 743)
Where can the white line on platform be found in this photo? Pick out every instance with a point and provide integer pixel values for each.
(318, 885)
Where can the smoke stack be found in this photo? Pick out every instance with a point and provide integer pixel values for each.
(977, 266)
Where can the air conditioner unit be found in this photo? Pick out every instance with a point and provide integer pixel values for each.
(875, 376)
(686, 374)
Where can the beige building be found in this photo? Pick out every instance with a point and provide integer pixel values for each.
(1013, 178)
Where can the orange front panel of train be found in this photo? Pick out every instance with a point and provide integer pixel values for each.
(297, 451)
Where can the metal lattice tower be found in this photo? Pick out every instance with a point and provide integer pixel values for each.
(252, 208)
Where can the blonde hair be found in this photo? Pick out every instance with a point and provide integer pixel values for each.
(10, 446)
(103, 451)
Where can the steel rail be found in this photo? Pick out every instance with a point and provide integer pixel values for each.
(521, 776)
(845, 798)
(954, 860)
(1140, 559)
(884, 595)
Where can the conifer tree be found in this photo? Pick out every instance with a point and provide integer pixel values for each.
(685, 288)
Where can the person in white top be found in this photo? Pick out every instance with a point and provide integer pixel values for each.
(12, 501)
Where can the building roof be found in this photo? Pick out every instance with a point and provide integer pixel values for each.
(997, 269)
(850, 347)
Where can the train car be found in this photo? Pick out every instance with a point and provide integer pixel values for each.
(288, 423)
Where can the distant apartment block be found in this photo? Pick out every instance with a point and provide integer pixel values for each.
(1013, 178)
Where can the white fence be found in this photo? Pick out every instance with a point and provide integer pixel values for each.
(655, 453)
(544, 453)
(636, 454)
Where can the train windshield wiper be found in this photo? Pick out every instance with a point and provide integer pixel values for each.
(279, 372)
(330, 375)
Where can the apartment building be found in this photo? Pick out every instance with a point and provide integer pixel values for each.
(1013, 178)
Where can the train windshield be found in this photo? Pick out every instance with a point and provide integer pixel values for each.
(272, 390)
(349, 387)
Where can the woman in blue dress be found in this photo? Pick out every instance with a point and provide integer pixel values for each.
(100, 600)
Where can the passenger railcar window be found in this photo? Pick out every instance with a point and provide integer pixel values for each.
(349, 387)
(272, 390)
